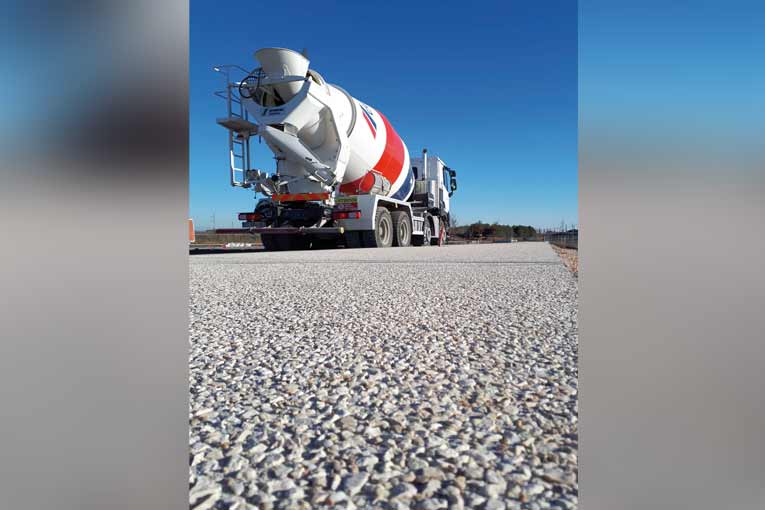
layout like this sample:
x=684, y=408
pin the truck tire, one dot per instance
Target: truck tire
x=382, y=235
x=301, y=243
x=269, y=244
x=353, y=239
x=287, y=242
x=423, y=240
x=402, y=228
x=324, y=244
x=441, y=239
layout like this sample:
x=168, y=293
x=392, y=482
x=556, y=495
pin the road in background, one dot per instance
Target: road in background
x=421, y=377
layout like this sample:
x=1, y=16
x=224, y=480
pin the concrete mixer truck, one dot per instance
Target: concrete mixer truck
x=343, y=175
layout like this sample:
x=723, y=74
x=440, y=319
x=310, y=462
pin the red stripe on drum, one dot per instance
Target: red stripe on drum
x=390, y=164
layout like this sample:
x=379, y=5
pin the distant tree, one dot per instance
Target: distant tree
x=476, y=229
x=496, y=229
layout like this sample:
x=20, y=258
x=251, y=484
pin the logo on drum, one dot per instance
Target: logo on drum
x=370, y=121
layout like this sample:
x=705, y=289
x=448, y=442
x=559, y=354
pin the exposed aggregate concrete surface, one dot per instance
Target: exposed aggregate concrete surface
x=397, y=378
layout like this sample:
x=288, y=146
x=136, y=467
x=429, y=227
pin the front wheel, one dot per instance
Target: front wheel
x=441, y=239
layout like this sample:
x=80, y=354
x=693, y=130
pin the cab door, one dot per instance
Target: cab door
x=444, y=185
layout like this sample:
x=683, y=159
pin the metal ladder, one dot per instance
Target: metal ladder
x=240, y=129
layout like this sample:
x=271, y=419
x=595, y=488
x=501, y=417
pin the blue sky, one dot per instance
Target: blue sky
x=490, y=88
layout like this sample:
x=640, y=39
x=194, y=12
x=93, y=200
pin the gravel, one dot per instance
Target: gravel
x=384, y=378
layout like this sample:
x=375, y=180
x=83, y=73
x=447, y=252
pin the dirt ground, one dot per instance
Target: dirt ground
x=570, y=258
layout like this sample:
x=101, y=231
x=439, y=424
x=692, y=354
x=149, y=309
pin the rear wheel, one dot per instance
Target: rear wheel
x=324, y=244
x=382, y=235
x=402, y=228
x=286, y=242
x=269, y=244
x=353, y=239
x=301, y=243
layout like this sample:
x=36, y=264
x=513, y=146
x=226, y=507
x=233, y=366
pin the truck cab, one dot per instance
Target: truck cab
x=434, y=184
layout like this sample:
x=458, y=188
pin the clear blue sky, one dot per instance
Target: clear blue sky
x=490, y=88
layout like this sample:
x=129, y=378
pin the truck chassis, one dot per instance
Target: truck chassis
x=381, y=222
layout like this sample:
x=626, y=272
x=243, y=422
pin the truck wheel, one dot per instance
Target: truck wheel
x=402, y=228
x=382, y=235
x=301, y=243
x=324, y=244
x=269, y=244
x=424, y=239
x=441, y=239
x=353, y=240
x=286, y=242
